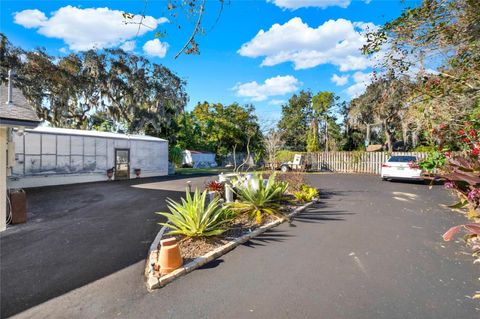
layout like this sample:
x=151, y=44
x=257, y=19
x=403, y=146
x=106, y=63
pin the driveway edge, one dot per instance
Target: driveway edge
x=153, y=282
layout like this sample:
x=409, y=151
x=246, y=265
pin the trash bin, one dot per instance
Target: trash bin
x=18, y=201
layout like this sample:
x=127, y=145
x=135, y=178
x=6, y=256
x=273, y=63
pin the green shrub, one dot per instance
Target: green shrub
x=282, y=186
x=257, y=199
x=175, y=155
x=284, y=156
x=424, y=149
x=193, y=218
x=306, y=194
x=434, y=160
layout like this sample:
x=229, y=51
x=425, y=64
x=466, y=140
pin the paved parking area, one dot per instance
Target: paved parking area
x=77, y=234
x=370, y=249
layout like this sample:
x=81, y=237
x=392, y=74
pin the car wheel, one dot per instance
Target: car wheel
x=384, y=179
x=284, y=168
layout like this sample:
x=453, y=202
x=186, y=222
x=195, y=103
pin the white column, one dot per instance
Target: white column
x=3, y=178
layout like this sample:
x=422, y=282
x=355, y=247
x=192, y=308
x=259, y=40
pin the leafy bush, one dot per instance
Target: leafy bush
x=434, y=160
x=461, y=173
x=175, y=155
x=284, y=156
x=424, y=149
x=193, y=218
x=258, y=198
x=306, y=194
x=473, y=230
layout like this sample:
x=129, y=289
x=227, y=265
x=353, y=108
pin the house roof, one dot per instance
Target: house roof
x=19, y=112
x=66, y=131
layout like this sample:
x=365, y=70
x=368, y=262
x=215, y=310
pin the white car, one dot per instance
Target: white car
x=401, y=167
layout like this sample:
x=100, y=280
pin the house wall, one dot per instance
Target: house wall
x=198, y=158
x=3, y=177
x=203, y=157
x=52, y=159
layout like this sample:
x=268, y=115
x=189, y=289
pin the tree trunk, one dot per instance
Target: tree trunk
x=234, y=158
x=388, y=136
x=415, y=137
x=405, y=135
x=326, y=135
x=367, y=137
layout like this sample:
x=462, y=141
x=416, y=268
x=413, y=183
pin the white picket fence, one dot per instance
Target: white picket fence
x=352, y=162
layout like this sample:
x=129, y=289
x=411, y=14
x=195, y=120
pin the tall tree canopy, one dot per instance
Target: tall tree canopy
x=110, y=90
x=308, y=121
x=224, y=128
x=381, y=105
x=439, y=34
x=295, y=119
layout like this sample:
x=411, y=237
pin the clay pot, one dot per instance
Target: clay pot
x=109, y=174
x=170, y=258
x=137, y=171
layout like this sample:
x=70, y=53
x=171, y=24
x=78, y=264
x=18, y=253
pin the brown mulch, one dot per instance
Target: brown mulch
x=191, y=247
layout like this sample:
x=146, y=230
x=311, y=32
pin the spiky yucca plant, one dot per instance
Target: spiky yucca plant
x=258, y=198
x=193, y=218
x=282, y=186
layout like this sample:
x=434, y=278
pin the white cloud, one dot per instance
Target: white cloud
x=162, y=20
x=155, y=48
x=276, y=102
x=30, y=18
x=128, y=46
x=84, y=29
x=336, y=42
x=296, y=4
x=275, y=86
x=362, y=80
x=340, y=79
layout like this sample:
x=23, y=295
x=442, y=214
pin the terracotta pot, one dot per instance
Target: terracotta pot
x=170, y=258
x=109, y=174
x=137, y=171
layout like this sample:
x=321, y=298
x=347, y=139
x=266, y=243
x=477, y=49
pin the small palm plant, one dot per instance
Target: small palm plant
x=193, y=218
x=258, y=198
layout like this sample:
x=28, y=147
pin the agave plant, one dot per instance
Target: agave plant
x=282, y=186
x=193, y=218
x=258, y=198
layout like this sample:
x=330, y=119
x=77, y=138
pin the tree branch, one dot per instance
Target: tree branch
x=195, y=31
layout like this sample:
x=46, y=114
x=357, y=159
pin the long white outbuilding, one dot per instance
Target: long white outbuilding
x=54, y=156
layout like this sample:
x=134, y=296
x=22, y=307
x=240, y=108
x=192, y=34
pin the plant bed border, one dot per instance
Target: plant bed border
x=153, y=282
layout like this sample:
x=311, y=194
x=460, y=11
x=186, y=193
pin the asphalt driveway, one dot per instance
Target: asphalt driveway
x=370, y=249
x=77, y=234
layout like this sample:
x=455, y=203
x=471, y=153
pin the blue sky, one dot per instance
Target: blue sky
x=305, y=44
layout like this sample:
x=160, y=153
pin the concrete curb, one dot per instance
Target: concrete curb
x=152, y=281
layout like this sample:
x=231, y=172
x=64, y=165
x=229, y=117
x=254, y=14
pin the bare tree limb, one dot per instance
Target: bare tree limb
x=195, y=30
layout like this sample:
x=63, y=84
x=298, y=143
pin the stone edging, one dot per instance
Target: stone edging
x=152, y=282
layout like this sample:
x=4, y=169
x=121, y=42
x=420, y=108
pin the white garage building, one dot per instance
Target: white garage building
x=53, y=156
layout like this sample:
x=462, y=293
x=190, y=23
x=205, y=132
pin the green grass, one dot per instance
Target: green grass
x=191, y=171
x=218, y=170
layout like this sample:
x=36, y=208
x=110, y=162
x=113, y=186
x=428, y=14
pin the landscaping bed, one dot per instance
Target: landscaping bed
x=204, y=226
x=197, y=252
x=192, y=247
